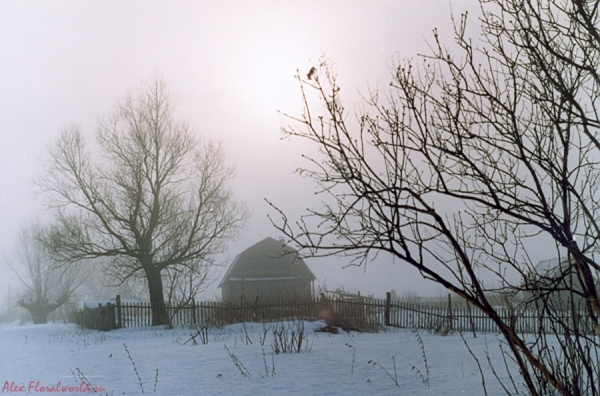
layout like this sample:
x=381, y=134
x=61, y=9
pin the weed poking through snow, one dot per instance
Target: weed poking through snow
x=424, y=378
x=201, y=334
x=268, y=372
x=394, y=377
x=243, y=370
x=137, y=373
x=353, y=356
x=86, y=382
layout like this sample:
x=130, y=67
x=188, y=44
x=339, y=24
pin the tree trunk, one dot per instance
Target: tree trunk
x=157, y=298
x=39, y=309
x=39, y=315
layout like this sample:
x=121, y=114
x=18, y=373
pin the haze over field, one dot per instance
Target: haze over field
x=230, y=66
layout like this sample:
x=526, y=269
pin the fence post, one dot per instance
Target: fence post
x=194, y=321
x=386, y=314
x=471, y=319
x=450, y=324
x=119, y=323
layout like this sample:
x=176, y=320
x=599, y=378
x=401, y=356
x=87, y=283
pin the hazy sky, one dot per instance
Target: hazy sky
x=230, y=66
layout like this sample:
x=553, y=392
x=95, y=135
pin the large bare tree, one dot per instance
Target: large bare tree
x=150, y=196
x=47, y=287
x=474, y=152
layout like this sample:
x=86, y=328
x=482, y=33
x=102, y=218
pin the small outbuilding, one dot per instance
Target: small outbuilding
x=267, y=270
x=554, y=283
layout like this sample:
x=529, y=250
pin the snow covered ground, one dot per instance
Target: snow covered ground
x=233, y=362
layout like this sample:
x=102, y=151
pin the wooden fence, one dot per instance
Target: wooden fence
x=360, y=314
x=138, y=314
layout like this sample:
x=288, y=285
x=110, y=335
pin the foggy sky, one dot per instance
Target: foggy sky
x=230, y=66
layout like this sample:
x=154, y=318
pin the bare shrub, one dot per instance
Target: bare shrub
x=290, y=337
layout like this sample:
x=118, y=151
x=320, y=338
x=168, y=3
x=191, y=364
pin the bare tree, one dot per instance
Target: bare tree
x=470, y=156
x=48, y=287
x=151, y=198
x=183, y=285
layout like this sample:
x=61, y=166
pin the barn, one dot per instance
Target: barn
x=267, y=270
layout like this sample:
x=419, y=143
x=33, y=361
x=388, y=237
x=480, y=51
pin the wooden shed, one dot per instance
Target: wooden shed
x=555, y=283
x=267, y=270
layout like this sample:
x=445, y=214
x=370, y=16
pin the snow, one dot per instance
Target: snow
x=334, y=364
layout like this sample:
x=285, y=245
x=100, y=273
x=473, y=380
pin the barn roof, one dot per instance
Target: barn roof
x=552, y=267
x=269, y=259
